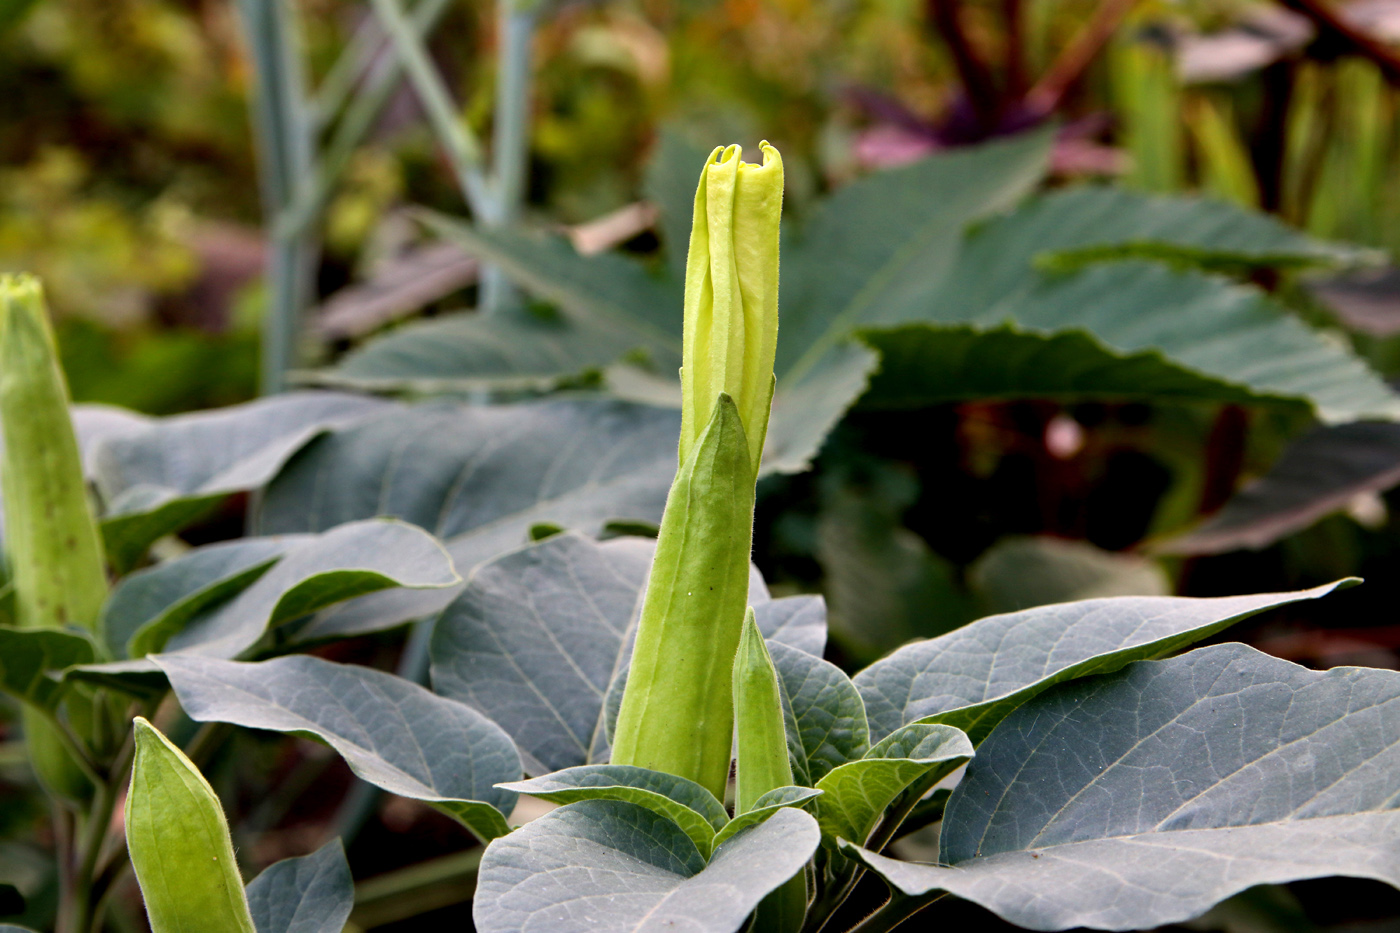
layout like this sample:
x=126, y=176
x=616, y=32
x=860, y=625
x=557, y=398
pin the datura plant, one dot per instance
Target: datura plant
x=1069, y=765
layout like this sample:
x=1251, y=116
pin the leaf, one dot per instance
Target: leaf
x=770, y=803
x=857, y=793
x=478, y=477
x=179, y=843
x=149, y=606
x=316, y=571
x=1144, y=797
x=311, y=894
x=1319, y=473
x=157, y=480
x=974, y=677
x=538, y=638
x=605, y=864
x=796, y=621
x=1018, y=573
x=1097, y=222
x=28, y=655
x=392, y=732
x=828, y=725
x=685, y=803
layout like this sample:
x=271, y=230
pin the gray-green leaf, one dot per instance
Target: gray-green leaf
x=1144, y=797
x=310, y=894
x=974, y=677
x=765, y=806
x=392, y=732
x=28, y=655
x=606, y=864
x=828, y=726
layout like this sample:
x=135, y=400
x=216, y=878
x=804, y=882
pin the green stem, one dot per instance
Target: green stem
x=460, y=145
x=510, y=143
x=893, y=912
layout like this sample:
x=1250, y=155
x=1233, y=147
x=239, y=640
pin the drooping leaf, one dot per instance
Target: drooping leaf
x=1018, y=573
x=478, y=477
x=538, y=638
x=828, y=727
x=149, y=606
x=310, y=894
x=685, y=803
x=974, y=677
x=1319, y=473
x=770, y=803
x=179, y=843
x=1144, y=797
x=28, y=655
x=156, y=480
x=606, y=864
x=392, y=732
x=857, y=793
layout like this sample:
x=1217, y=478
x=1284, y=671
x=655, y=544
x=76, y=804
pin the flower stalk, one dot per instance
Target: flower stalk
x=677, y=711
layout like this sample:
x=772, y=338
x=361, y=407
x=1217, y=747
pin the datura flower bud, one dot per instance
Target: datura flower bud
x=731, y=295
x=677, y=710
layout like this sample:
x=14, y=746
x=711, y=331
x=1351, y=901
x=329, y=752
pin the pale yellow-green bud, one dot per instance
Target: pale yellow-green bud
x=731, y=295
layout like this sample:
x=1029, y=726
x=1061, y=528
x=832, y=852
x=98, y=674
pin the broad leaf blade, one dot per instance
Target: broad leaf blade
x=311, y=894
x=828, y=716
x=796, y=621
x=392, y=732
x=149, y=606
x=156, y=480
x=764, y=807
x=478, y=477
x=1145, y=797
x=685, y=803
x=1018, y=573
x=605, y=864
x=974, y=677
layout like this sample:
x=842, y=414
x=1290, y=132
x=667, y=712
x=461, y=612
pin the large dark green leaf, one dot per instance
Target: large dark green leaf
x=311, y=894
x=610, y=865
x=1143, y=798
x=537, y=638
x=826, y=716
x=974, y=677
x=157, y=479
x=1319, y=473
x=478, y=477
x=153, y=604
x=392, y=732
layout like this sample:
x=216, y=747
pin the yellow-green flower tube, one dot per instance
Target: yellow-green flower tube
x=677, y=711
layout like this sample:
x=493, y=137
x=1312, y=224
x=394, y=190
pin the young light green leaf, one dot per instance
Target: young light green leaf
x=606, y=864
x=857, y=793
x=974, y=677
x=51, y=541
x=392, y=732
x=685, y=803
x=764, y=807
x=1144, y=797
x=179, y=843
x=311, y=894
x=760, y=741
x=677, y=710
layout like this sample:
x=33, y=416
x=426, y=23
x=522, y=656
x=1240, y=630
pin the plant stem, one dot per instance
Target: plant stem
x=893, y=912
x=510, y=142
x=1076, y=57
x=976, y=77
x=460, y=146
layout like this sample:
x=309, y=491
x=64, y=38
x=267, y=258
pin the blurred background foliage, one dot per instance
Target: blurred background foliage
x=129, y=180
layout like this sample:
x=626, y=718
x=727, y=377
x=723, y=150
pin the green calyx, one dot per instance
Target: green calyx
x=179, y=843
x=51, y=535
x=760, y=740
x=731, y=295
